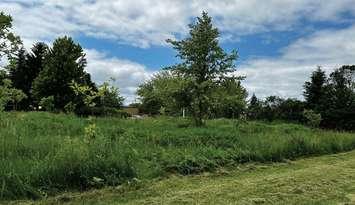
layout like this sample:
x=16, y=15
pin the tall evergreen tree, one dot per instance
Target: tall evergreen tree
x=18, y=74
x=254, y=107
x=315, y=90
x=254, y=101
x=204, y=64
x=64, y=64
x=36, y=59
x=35, y=64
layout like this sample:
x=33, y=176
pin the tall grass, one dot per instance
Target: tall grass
x=44, y=153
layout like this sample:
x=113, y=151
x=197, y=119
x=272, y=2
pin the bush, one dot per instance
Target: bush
x=70, y=107
x=312, y=119
x=47, y=103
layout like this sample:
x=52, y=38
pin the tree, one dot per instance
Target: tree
x=340, y=110
x=35, y=64
x=109, y=96
x=9, y=42
x=10, y=95
x=18, y=74
x=65, y=62
x=150, y=100
x=24, y=68
x=106, y=100
x=333, y=97
x=315, y=90
x=166, y=90
x=271, y=109
x=204, y=64
x=254, y=108
x=228, y=99
x=342, y=83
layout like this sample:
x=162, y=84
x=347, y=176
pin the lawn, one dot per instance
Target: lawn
x=45, y=154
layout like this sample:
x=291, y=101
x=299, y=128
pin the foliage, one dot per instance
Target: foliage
x=70, y=107
x=109, y=96
x=228, y=99
x=169, y=93
x=10, y=95
x=164, y=91
x=3, y=76
x=204, y=64
x=315, y=90
x=18, y=73
x=312, y=119
x=43, y=153
x=24, y=68
x=47, y=103
x=9, y=42
x=336, y=101
x=254, y=108
x=64, y=63
x=276, y=108
x=103, y=101
x=83, y=93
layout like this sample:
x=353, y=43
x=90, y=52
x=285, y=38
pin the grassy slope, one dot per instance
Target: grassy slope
x=46, y=154
x=320, y=180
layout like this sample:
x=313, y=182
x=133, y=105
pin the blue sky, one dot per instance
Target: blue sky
x=280, y=42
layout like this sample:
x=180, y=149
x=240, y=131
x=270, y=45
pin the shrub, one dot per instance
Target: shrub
x=47, y=103
x=312, y=119
x=70, y=107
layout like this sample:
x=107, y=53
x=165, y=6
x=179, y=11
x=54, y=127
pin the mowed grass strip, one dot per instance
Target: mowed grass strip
x=319, y=180
x=44, y=154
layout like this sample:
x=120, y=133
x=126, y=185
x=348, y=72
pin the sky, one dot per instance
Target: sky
x=280, y=42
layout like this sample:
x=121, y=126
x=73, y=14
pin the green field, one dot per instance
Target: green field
x=46, y=154
x=319, y=180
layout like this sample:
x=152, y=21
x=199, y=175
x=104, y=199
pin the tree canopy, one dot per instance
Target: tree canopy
x=9, y=42
x=204, y=64
x=65, y=63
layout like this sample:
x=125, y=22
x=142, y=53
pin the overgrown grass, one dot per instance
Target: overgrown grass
x=43, y=154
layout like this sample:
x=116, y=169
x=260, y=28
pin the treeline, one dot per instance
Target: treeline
x=51, y=78
x=329, y=102
x=54, y=79
x=202, y=86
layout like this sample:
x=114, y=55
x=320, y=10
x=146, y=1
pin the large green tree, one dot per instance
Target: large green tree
x=340, y=110
x=315, y=90
x=333, y=97
x=65, y=63
x=204, y=63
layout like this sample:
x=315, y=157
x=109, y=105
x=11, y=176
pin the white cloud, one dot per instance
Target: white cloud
x=285, y=75
x=128, y=75
x=144, y=23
